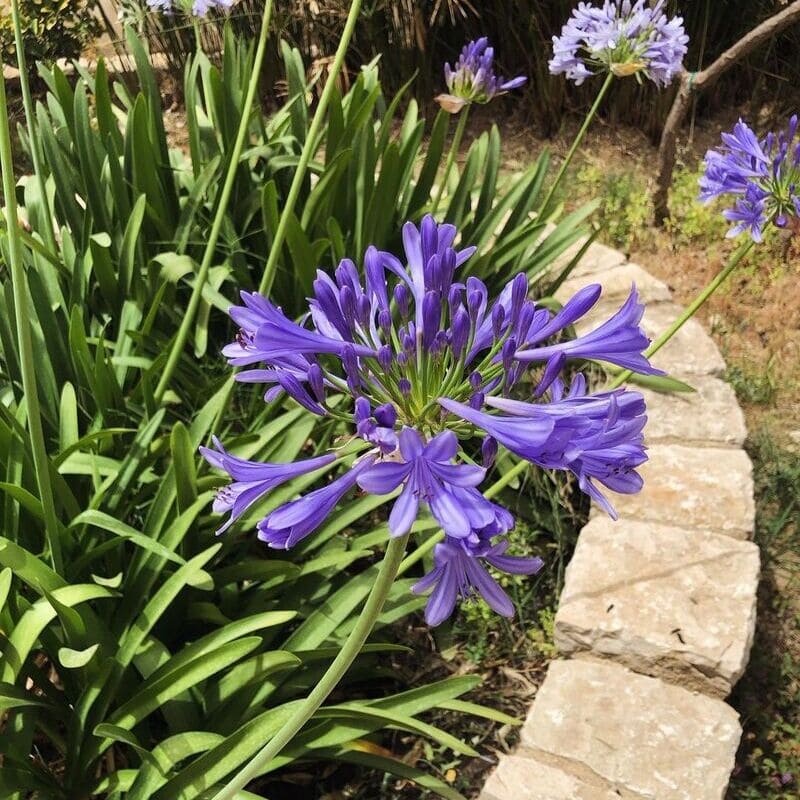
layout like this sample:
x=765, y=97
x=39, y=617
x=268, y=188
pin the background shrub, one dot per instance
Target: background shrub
x=51, y=29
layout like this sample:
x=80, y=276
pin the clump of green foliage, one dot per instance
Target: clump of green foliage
x=51, y=29
x=691, y=222
x=625, y=208
x=755, y=387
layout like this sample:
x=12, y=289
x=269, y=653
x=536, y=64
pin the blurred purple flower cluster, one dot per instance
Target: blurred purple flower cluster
x=762, y=174
x=199, y=8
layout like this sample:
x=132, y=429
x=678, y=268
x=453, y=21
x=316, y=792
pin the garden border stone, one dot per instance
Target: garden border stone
x=657, y=615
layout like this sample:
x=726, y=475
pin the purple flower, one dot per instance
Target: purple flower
x=377, y=428
x=458, y=572
x=762, y=175
x=200, y=8
x=472, y=79
x=619, y=340
x=388, y=353
x=622, y=37
x=426, y=474
x=252, y=480
x=287, y=525
x=596, y=437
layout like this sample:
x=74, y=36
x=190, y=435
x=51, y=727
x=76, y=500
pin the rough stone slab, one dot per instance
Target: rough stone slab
x=596, y=261
x=645, y=738
x=709, y=415
x=701, y=488
x=522, y=777
x=690, y=351
x=662, y=601
x=616, y=283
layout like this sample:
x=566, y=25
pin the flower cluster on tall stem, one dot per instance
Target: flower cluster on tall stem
x=763, y=175
x=473, y=80
x=429, y=361
x=623, y=38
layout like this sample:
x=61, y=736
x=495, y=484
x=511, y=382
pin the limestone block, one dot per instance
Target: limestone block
x=708, y=415
x=519, y=777
x=702, y=488
x=663, y=601
x=645, y=738
x=616, y=283
x=596, y=261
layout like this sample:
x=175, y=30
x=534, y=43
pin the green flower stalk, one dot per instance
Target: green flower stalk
x=389, y=569
x=690, y=310
x=581, y=135
x=297, y=181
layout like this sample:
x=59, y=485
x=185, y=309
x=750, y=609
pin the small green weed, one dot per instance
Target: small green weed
x=625, y=210
x=542, y=637
x=751, y=387
x=691, y=222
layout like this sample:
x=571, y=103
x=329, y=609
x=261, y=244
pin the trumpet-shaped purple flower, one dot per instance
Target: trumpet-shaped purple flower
x=622, y=37
x=410, y=341
x=252, y=480
x=458, y=572
x=596, y=437
x=287, y=525
x=200, y=8
x=427, y=474
x=619, y=340
x=163, y=6
x=473, y=79
x=763, y=176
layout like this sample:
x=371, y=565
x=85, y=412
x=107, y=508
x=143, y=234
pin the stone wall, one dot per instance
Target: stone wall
x=657, y=615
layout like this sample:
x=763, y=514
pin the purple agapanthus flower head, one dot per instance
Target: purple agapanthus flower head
x=473, y=79
x=459, y=571
x=763, y=175
x=197, y=8
x=416, y=359
x=622, y=37
x=163, y=6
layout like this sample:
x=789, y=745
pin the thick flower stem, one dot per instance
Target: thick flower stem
x=30, y=121
x=27, y=358
x=545, y=207
x=219, y=216
x=350, y=650
x=198, y=38
x=311, y=143
x=455, y=146
x=690, y=310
